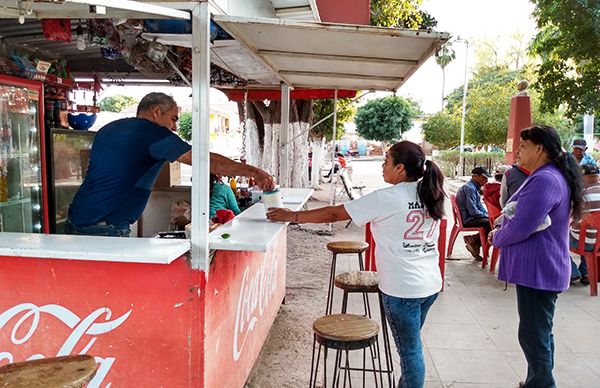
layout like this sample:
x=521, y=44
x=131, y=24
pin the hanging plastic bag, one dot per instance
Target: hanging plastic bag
x=57, y=29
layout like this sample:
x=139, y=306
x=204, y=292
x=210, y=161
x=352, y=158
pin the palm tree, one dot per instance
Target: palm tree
x=443, y=57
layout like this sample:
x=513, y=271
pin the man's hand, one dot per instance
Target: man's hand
x=264, y=180
x=280, y=214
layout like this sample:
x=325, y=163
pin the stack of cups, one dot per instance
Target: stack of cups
x=272, y=199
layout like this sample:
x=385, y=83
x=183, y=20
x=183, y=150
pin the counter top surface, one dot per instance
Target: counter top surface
x=250, y=230
x=127, y=250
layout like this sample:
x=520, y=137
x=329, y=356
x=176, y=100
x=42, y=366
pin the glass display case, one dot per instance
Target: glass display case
x=69, y=158
x=23, y=196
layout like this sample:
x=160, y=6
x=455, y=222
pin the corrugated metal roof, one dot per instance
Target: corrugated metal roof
x=333, y=56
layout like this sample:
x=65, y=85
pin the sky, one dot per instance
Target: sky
x=473, y=20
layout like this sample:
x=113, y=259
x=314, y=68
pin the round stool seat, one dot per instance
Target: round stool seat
x=347, y=246
x=64, y=372
x=358, y=281
x=345, y=328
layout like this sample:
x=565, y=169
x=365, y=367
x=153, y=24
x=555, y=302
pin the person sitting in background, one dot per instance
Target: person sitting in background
x=578, y=149
x=591, y=180
x=221, y=197
x=341, y=163
x=491, y=190
x=513, y=179
x=472, y=211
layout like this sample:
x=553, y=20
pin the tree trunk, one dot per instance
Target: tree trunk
x=318, y=157
x=263, y=144
x=443, y=86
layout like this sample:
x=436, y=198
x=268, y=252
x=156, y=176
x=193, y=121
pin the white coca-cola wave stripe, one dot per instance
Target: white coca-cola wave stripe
x=79, y=326
x=255, y=294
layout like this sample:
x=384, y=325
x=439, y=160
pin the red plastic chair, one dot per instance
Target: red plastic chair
x=493, y=213
x=458, y=227
x=591, y=221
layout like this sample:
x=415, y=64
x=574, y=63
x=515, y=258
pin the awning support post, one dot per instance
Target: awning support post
x=284, y=135
x=200, y=135
x=333, y=174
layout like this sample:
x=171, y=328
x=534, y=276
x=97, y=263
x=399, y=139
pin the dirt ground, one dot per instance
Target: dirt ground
x=286, y=356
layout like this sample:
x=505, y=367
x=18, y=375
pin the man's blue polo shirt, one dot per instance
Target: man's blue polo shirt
x=127, y=156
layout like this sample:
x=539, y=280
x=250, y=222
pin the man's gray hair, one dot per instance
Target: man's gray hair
x=163, y=101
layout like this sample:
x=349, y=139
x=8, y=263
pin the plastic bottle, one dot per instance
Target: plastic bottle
x=233, y=184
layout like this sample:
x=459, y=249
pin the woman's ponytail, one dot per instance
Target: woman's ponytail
x=568, y=165
x=431, y=190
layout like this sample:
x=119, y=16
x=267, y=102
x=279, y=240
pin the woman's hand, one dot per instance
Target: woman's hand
x=280, y=214
x=491, y=235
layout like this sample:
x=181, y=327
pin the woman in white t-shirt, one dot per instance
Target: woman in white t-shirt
x=404, y=222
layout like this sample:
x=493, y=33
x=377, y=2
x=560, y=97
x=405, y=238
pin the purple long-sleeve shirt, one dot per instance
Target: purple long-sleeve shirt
x=533, y=259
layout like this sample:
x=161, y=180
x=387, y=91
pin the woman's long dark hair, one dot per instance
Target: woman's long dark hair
x=431, y=187
x=548, y=138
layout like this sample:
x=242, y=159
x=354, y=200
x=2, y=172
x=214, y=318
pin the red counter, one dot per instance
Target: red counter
x=148, y=325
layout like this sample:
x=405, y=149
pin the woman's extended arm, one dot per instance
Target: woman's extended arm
x=315, y=216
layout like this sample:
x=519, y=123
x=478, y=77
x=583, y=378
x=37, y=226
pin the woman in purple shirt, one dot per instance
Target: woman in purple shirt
x=538, y=261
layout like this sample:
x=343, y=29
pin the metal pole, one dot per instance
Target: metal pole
x=284, y=135
x=200, y=135
x=333, y=174
x=464, y=105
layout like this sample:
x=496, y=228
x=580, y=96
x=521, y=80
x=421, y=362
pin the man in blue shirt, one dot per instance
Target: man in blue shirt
x=578, y=148
x=127, y=156
x=472, y=211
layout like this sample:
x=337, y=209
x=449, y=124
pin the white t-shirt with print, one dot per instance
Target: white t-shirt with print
x=406, y=251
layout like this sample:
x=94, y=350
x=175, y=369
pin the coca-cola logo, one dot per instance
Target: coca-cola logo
x=255, y=294
x=81, y=330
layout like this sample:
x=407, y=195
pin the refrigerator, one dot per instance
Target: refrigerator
x=69, y=155
x=23, y=188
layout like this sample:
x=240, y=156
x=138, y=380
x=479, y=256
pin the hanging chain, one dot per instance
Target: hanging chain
x=244, y=119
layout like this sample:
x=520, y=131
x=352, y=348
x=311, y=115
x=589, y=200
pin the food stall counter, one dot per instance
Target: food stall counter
x=93, y=248
x=250, y=230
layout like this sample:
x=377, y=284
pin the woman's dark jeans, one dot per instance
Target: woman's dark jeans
x=97, y=230
x=536, y=314
x=406, y=317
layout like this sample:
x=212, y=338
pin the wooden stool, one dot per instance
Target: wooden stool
x=58, y=372
x=343, y=332
x=343, y=247
x=368, y=282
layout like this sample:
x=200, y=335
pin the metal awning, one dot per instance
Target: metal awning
x=296, y=9
x=305, y=54
x=109, y=9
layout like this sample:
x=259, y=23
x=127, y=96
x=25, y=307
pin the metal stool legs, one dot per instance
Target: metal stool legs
x=329, y=303
x=337, y=371
x=387, y=348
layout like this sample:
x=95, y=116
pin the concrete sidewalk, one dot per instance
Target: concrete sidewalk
x=470, y=336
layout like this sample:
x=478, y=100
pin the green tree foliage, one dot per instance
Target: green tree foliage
x=385, y=119
x=184, y=126
x=488, y=107
x=324, y=107
x=442, y=130
x=116, y=103
x=568, y=44
x=401, y=14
